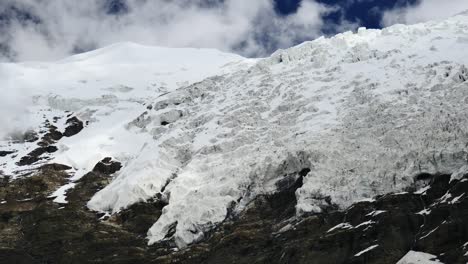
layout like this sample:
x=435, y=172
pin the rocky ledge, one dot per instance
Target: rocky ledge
x=34, y=229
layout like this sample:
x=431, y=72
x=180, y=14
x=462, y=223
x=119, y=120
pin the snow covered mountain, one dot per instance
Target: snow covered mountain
x=107, y=88
x=356, y=115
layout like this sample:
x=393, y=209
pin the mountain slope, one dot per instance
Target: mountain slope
x=351, y=109
x=206, y=133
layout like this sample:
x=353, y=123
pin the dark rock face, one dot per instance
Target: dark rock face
x=35, y=155
x=52, y=136
x=56, y=167
x=33, y=229
x=107, y=166
x=139, y=217
x=74, y=127
x=6, y=153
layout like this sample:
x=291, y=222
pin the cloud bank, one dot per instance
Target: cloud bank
x=53, y=29
x=424, y=11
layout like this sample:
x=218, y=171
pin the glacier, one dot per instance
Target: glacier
x=207, y=132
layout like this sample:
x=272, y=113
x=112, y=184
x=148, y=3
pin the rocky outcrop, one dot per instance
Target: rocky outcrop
x=6, y=153
x=74, y=126
x=35, y=155
x=46, y=144
x=107, y=166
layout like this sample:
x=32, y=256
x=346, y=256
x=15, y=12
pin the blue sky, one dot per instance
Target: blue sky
x=53, y=29
x=368, y=13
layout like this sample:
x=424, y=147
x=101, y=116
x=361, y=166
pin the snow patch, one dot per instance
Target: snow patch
x=457, y=199
x=376, y=213
x=425, y=211
x=370, y=222
x=423, y=190
x=415, y=257
x=366, y=250
x=60, y=194
x=341, y=226
x=429, y=233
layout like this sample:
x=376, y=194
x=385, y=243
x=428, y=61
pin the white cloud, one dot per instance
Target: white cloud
x=13, y=103
x=424, y=11
x=244, y=26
